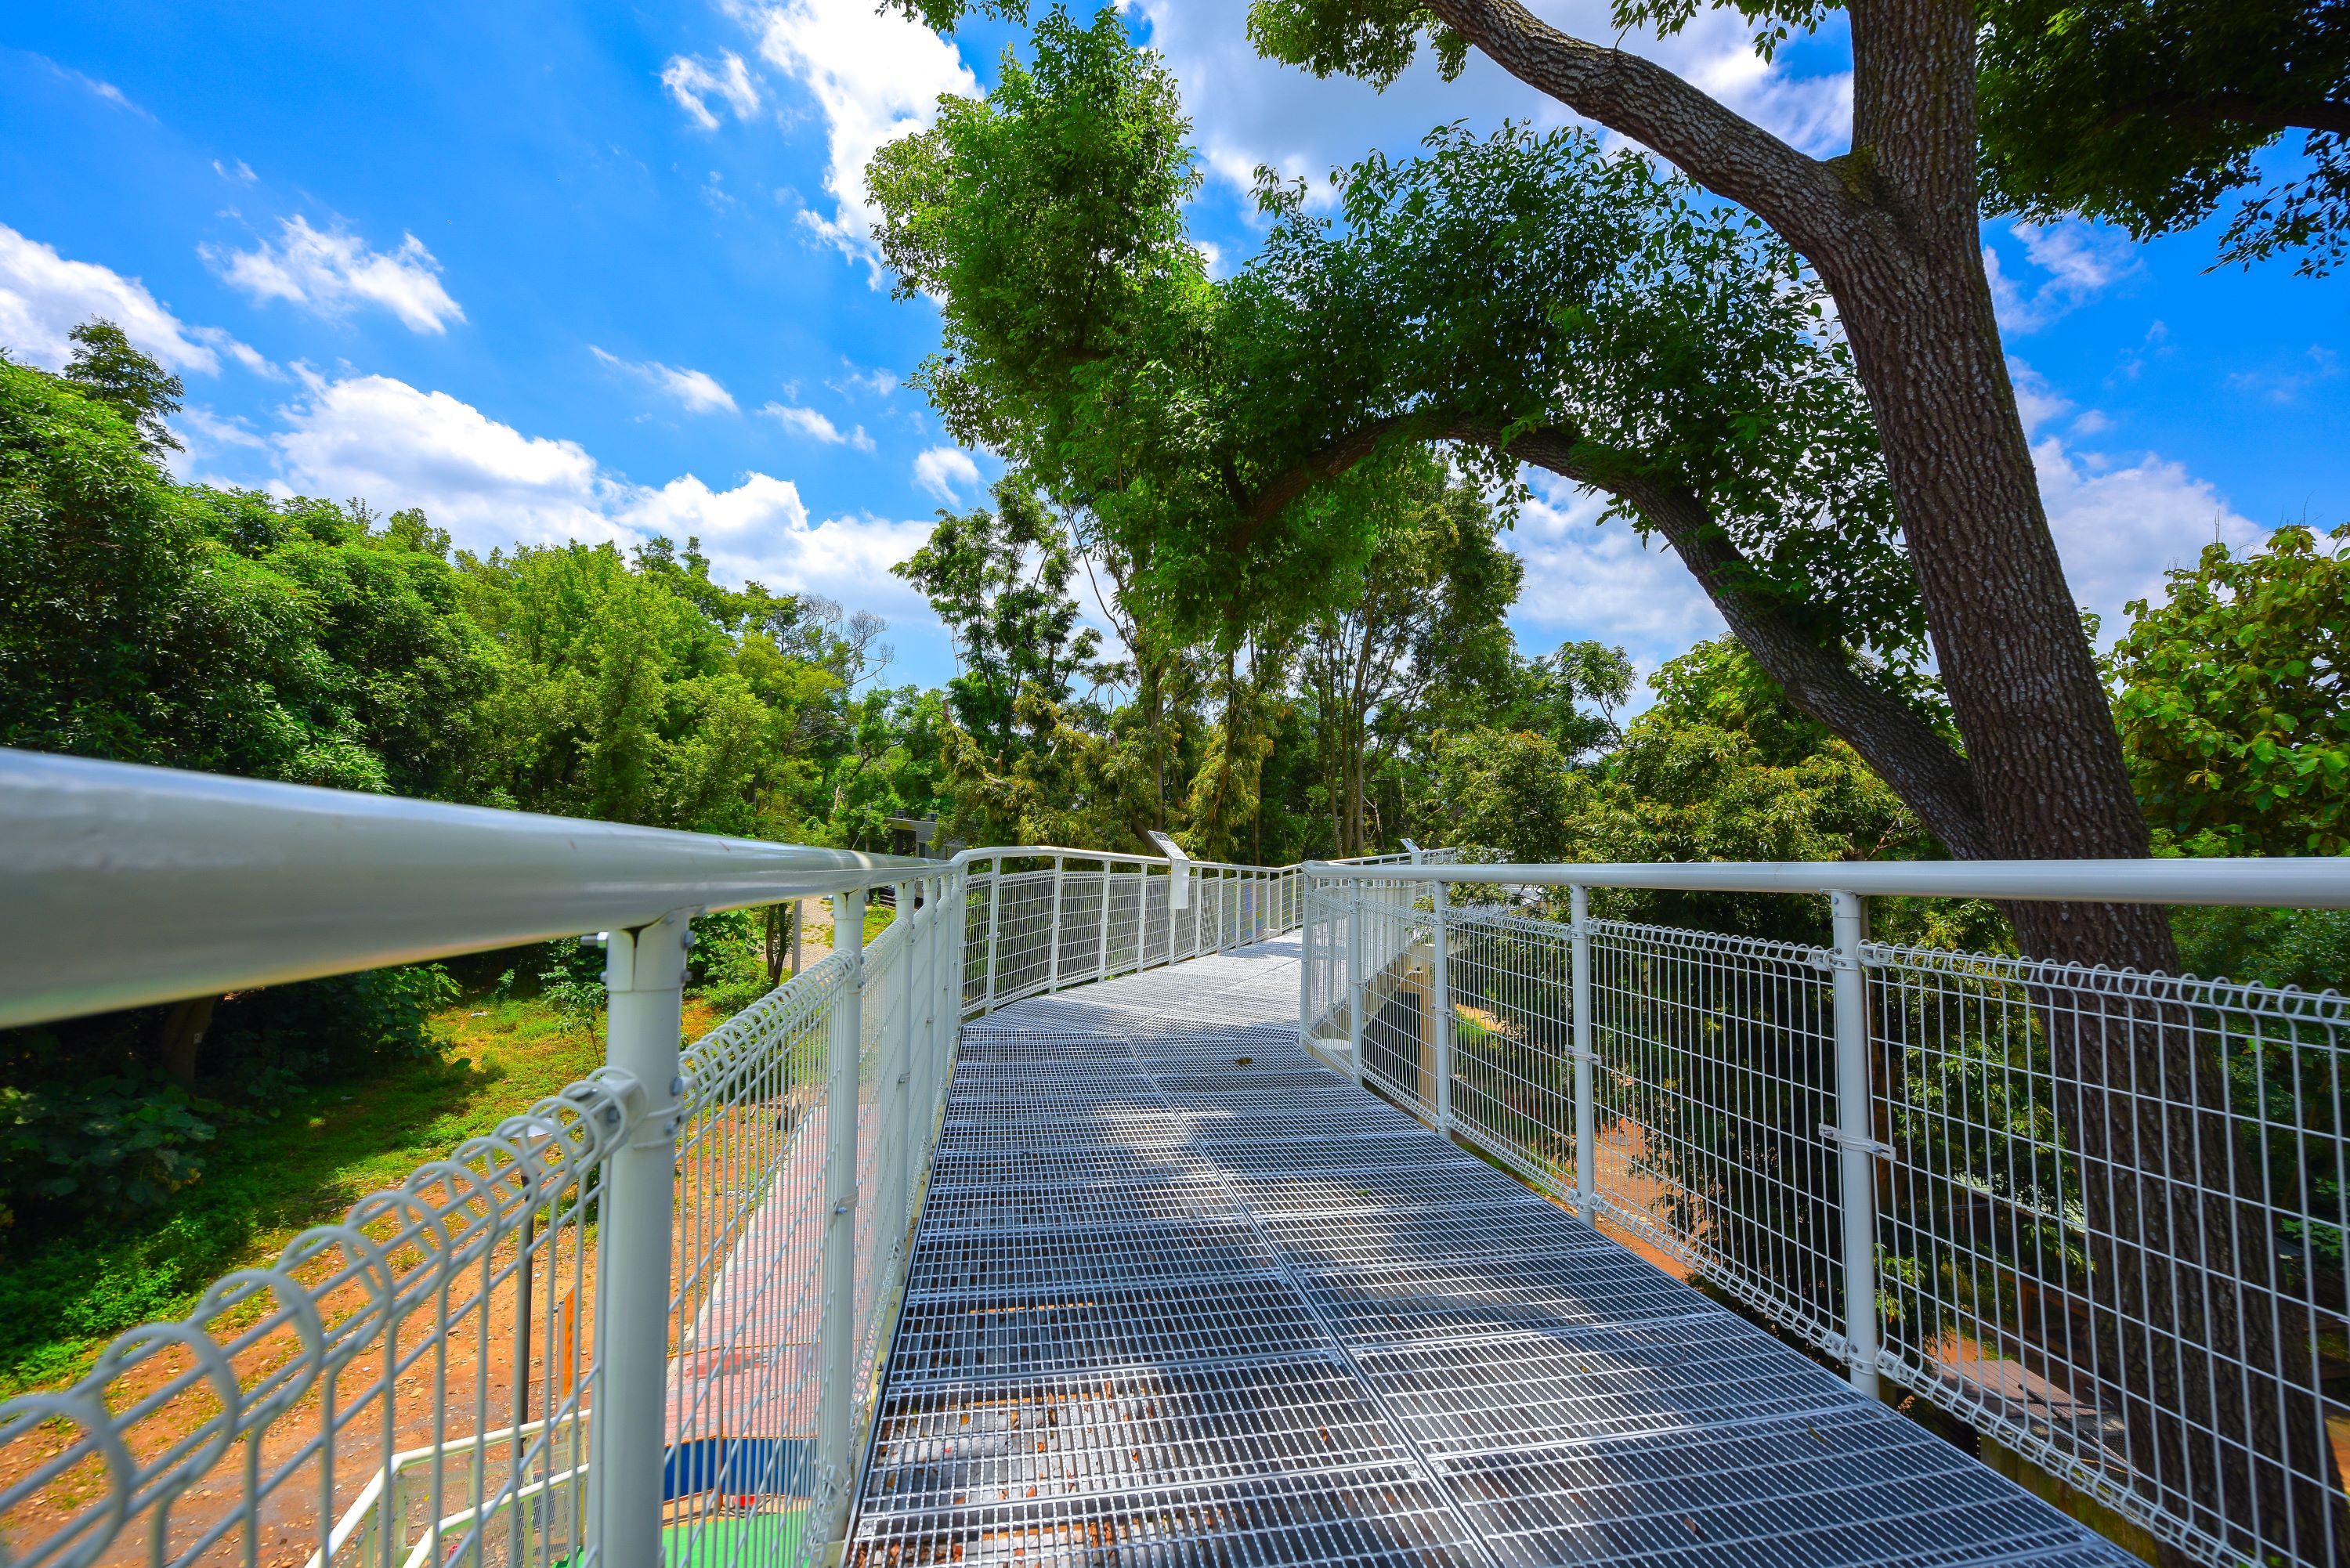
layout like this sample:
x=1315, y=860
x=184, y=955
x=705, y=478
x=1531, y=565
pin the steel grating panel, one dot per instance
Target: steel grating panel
x=966, y=1444
x=1387, y=1517
x=1181, y=1294
x=1445, y=1187
x=1776, y=1492
x=1083, y=1328
x=972, y=1262
x=1513, y=1391
x=1091, y=1206
x=1435, y=1301
x=1364, y=1238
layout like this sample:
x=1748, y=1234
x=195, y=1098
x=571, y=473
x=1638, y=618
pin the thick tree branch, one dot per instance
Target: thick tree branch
x=1923, y=768
x=1722, y=150
x=1330, y=461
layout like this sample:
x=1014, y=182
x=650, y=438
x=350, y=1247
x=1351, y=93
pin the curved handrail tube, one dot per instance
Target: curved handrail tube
x=130, y=884
x=2301, y=882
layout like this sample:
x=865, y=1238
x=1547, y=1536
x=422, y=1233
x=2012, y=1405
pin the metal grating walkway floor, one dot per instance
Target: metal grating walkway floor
x=1182, y=1295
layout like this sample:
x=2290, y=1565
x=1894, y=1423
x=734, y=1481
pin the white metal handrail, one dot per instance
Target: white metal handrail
x=641, y=1319
x=2099, y=1216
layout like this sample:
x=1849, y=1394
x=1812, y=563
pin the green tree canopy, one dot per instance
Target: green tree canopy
x=141, y=620
x=1000, y=580
x=1525, y=298
x=2149, y=113
x=106, y=365
x=2232, y=699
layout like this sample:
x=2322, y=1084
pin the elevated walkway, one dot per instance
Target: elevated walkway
x=1180, y=1294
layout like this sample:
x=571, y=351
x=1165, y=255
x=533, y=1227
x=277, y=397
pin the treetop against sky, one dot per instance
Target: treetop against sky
x=547, y=276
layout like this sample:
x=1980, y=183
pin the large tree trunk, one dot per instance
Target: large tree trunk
x=1891, y=230
x=2179, y=1274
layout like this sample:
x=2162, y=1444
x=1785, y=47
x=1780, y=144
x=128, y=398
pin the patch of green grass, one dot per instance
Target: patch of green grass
x=300, y=1163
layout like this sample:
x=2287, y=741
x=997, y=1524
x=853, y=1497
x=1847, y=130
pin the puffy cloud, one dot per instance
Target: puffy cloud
x=490, y=485
x=1584, y=579
x=330, y=271
x=874, y=76
x=694, y=82
x=43, y=296
x=2121, y=526
x=483, y=481
x=945, y=472
x=697, y=390
x=2075, y=263
x=816, y=427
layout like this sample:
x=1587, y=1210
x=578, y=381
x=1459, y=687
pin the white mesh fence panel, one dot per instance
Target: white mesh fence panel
x=2109, y=1209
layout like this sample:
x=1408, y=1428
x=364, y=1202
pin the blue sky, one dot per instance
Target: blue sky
x=559, y=272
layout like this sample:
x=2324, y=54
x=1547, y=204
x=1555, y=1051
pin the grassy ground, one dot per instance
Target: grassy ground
x=307, y=1159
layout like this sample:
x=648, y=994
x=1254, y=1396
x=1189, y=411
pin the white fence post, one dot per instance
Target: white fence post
x=1586, y=1138
x=1439, y=998
x=1355, y=989
x=994, y=924
x=1053, y=933
x=912, y=1007
x=644, y=983
x=837, y=1330
x=1102, y=970
x=1307, y=1024
x=1142, y=916
x=1856, y=1138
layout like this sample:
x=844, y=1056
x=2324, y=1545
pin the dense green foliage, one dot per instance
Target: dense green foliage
x=146, y=620
x=2232, y=699
x=2149, y=115
x=1234, y=440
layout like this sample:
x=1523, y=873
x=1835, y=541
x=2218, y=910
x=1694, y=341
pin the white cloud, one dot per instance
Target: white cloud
x=2076, y=262
x=1586, y=579
x=241, y=174
x=874, y=77
x=104, y=90
x=2285, y=383
x=694, y=82
x=43, y=297
x=330, y=271
x=490, y=485
x=945, y=472
x=697, y=390
x=816, y=427
x=2119, y=527
x=872, y=383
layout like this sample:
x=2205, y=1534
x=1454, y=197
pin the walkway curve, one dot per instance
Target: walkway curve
x=1182, y=1295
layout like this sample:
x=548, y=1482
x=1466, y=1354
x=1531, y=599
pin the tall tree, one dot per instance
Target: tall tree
x=1000, y=579
x=1424, y=614
x=106, y=365
x=1891, y=227
x=1527, y=299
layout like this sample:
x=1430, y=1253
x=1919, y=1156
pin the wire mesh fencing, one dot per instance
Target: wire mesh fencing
x=2100, y=1217
x=1073, y=918
x=413, y=1383
x=416, y=1385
